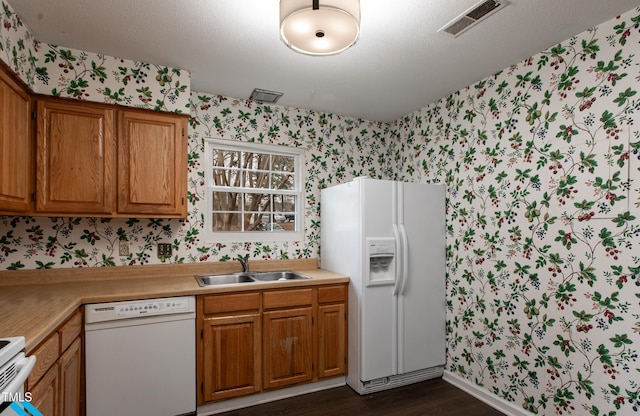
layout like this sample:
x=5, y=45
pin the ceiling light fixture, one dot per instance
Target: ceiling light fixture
x=312, y=28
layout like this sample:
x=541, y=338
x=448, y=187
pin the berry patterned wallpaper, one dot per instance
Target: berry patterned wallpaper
x=542, y=167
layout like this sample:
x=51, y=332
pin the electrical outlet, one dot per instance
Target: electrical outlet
x=123, y=248
x=164, y=250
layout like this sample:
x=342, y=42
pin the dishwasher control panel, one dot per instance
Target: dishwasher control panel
x=151, y=307
x=102, y=312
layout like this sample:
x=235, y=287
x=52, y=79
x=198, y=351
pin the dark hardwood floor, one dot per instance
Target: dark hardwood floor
x=432, y=397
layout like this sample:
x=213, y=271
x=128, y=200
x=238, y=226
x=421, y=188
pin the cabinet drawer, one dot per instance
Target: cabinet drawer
x=286, y=298
x=332, y=294
x=70, y=330
x=46, y=354
x=232, y=303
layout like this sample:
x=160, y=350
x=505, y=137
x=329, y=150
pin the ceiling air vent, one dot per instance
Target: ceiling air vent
x=472, y=16
x=264, y=96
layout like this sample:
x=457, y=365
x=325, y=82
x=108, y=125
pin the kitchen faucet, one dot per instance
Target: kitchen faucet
x=245, y=262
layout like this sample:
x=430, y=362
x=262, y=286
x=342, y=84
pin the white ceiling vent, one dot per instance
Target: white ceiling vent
x=472, y=16
x=264, y=96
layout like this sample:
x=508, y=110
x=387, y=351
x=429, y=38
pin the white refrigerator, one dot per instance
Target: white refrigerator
x=389, y=238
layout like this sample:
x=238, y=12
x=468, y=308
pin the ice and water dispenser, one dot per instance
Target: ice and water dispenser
x=381, y=253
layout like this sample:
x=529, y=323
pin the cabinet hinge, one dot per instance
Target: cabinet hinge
x=34, y=115
x=202, y=334
x=183, y=132
x=33, y=196
x=182, y=200
x=202, y=387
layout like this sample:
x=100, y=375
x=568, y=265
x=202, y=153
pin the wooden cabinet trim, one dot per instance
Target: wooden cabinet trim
x=237, y=302
x=273, y=299
x=46, y=355
x=332, y=294
x=70, y=330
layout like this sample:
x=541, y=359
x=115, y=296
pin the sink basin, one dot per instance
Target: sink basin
x=226, y=279
x=275, y=276
x=223, y=279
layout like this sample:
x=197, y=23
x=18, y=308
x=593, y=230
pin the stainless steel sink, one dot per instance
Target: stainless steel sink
x=275, y=276
x=234, y=278
x=223, y=279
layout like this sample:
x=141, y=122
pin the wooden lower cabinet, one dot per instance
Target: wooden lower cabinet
x=231, y=359
x=287, y=345
x=269, y=339
x=56, y=383
x=332, y=326
x=45, y=394
x=70, y=379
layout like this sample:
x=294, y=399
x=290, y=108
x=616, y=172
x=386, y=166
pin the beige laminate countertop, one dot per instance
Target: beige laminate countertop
x=34, y=303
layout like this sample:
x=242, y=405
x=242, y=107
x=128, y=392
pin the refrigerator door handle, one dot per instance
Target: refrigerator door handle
x=405, y=259
x=399, y=264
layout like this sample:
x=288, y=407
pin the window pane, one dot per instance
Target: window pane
x=252, y=221
x=283, y=203
x=257, y=202
x=224, y=177
x=282, y=163
x=281, y=181
x=258, y=180
x=226, y=201
x=226, y=221
x=256, y=161
x=227, y=158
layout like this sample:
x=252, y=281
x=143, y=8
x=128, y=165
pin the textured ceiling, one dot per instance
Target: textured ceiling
x=400, y=63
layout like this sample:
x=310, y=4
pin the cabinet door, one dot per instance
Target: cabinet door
x=15, y=146
x=331, y=340
x=75, y=158
x=231, y=356
x=70, y=379
x=152, y=164
x=287, y=347
x=44, y=395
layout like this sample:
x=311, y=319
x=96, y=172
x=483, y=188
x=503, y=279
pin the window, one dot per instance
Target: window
x=254, y=191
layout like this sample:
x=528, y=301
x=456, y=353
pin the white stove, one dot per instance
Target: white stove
x=14, y=370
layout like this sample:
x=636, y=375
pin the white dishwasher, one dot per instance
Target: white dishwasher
x=141, y=357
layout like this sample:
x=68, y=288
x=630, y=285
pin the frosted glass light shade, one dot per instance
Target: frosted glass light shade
x=332, y=28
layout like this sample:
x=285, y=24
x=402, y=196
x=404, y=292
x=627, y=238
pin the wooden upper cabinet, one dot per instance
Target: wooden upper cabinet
x=74, y=158
x=98, y=160
x=15, y=146
x=152, y=164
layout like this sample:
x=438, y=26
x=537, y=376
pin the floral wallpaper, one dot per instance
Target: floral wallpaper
x=64, y=72
x=542, y=166
x=337, y=149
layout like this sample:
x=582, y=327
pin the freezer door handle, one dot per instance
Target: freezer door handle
x=399, y=263
x=404, y=255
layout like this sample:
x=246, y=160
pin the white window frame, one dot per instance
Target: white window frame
x=253, y=236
